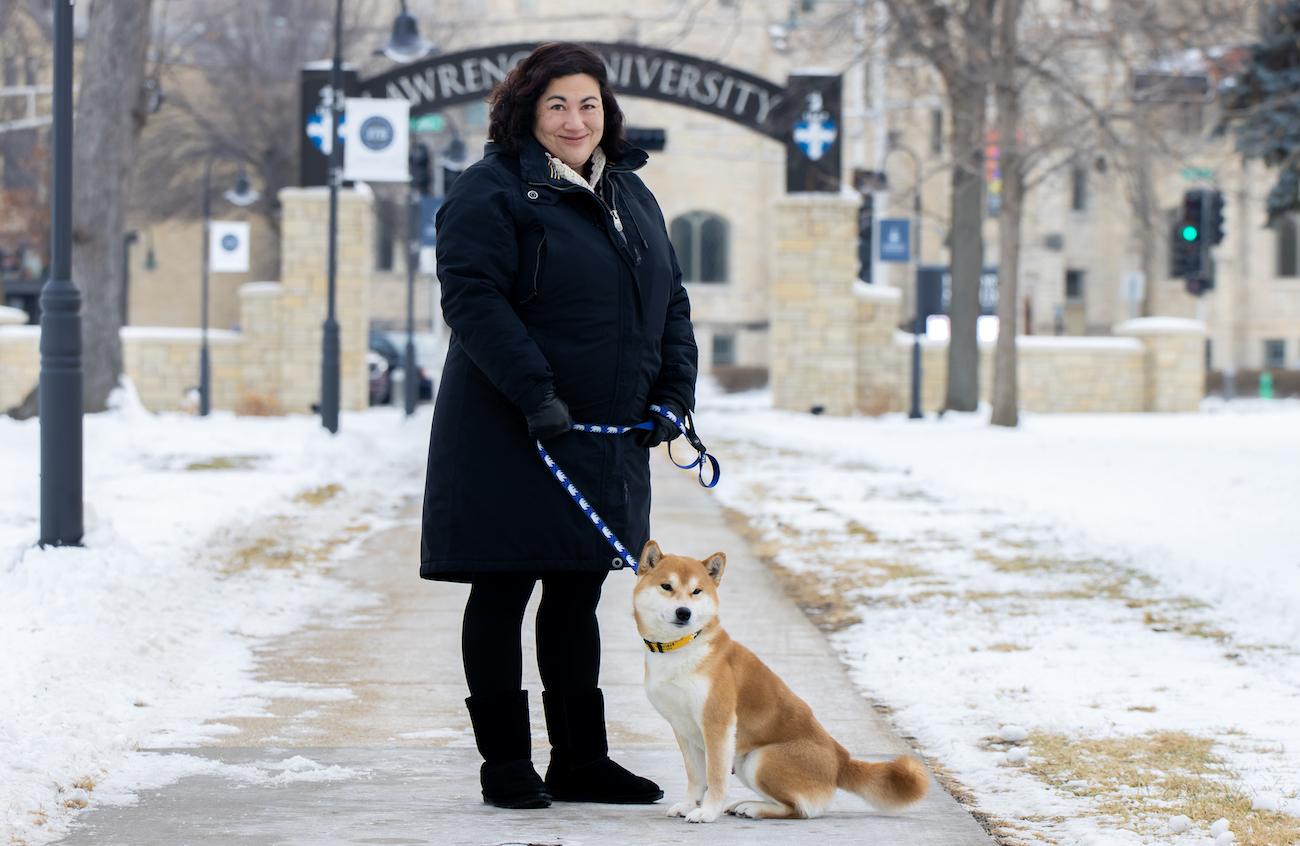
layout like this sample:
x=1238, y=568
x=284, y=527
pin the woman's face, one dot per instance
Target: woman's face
x=570, y=119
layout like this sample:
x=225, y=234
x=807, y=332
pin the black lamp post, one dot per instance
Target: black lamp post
x=60, y=381
x=915, y=412
x=241, y=195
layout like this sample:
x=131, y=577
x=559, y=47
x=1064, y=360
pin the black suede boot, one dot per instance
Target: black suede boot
x=580, y=769
x=501, y=732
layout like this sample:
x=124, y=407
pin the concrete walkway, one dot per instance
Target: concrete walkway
x=405, y=736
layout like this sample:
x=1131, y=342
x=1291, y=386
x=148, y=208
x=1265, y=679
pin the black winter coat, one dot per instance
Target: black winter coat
x=543, y=291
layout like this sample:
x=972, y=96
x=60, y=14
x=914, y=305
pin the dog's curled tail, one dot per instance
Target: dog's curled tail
x=893, y=784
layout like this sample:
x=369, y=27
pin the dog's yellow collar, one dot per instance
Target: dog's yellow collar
x=656, y=646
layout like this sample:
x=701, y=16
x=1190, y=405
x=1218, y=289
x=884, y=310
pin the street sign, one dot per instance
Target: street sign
x=428, y=123
x=895, y=240
x=228, y=246
x=377, y=140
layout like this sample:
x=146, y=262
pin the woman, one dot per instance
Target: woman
x=565, y=303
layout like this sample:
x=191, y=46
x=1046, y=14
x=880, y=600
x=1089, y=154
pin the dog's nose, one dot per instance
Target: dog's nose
x=683, y=614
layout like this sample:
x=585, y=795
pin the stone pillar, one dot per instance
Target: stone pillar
x=302, y=303
x=1174, y=364
x=814, y=310
x=261, y=315
x=878, y=357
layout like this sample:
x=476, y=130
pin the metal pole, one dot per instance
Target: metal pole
x=60, y=380
x=128, y=241
x=329, y=387
x=205, y=367
x=412, y=378
x=917, y=328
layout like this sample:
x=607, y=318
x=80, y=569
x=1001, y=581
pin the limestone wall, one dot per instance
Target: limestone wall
x=814, y=312
x=272, y=364
x=20, y=356
x=1174, y=366
x=303, y=296
x=163, y=364
x=878, y=358
x=1055, y=374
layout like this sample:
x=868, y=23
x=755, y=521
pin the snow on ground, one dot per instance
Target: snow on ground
x=1088, y=623
x=204, y=538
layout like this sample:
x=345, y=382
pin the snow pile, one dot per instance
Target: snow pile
x=203, y=538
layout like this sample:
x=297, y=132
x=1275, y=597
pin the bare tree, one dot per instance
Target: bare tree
x=231, y=70
x=1006, y=93
x=957, y=40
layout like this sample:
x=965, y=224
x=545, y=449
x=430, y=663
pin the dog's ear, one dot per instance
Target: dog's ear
x=650, y=556
x=715, y=564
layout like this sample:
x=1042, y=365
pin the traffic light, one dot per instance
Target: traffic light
x=1196, y=229
x=1186, y=243
x=651, y=140
x=421, y=175
x=1213, y=209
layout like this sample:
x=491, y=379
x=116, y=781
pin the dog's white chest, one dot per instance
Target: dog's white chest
x=677, y=692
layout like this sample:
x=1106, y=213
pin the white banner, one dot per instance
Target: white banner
x=376, y=140
x=228, y=246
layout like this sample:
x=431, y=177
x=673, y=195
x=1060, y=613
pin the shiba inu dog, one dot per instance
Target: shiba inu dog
x=731, y=713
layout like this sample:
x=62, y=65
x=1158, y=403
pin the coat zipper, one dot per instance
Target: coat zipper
x=612, y=212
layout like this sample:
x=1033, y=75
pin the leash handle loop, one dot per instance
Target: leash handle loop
x=687, y=426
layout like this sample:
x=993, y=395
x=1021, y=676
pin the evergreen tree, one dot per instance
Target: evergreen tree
x=1261, y=106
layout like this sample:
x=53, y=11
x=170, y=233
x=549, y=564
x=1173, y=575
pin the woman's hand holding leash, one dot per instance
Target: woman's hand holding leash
x=664, y=429
x=550, y=419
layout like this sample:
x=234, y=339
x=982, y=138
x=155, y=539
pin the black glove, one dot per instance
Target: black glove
x=665, y=430
x=551, y=418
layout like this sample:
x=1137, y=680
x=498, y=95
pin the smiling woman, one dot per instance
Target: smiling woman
x=563, y=293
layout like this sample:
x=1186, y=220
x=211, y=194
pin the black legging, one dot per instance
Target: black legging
x=568, y=635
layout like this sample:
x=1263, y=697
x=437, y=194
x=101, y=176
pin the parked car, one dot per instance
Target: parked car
x=392, y=347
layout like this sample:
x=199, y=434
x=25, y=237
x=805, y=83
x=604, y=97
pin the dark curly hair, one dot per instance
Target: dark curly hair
x=514, y=101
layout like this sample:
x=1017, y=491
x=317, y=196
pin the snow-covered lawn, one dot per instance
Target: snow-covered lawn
x=204, y=538
x=1089, y=624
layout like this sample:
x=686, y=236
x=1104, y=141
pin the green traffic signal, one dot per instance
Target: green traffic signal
x=1189, y=233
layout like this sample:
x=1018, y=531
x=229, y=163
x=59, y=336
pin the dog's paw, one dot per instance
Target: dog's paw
x=749, y=810
x=702, y=815
x=681, y=809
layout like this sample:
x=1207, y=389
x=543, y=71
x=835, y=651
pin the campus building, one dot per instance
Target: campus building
x=1089, y=261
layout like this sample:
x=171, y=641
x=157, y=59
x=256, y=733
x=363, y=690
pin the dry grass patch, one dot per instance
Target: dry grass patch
x=1006, y=647
x=265, y=553
x=1195, y=628
x=319, y=496
x=823, y=602
x=225, y=462
x=1143, y=780
x=85, y=783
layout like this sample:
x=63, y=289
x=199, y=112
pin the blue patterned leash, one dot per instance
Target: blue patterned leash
x=687, y=427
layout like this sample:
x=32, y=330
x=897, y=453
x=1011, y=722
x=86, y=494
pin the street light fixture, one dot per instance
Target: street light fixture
x=62, y=514
x=895, y=147
x=405, y=44
x=241, y=195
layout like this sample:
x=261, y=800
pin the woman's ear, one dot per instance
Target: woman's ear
x=650, y=556
x=715, y=564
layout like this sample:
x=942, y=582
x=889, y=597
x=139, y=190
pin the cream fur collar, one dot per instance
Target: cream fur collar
x=560, y=170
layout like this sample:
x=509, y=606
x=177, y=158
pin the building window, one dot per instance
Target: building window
x=1074, y=286
x=700, y=239
x=1287, y=233
x=936, y=131
x=724, y=350
x=1274, y=353
x=1079, y=188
